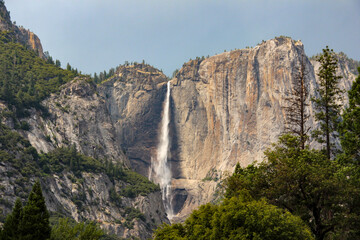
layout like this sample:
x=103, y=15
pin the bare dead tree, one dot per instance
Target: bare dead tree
x=296, y=104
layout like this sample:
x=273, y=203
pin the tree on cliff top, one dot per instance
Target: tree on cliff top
x=328, y=104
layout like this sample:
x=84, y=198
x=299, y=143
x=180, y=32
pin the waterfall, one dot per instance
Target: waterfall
x=160, y=171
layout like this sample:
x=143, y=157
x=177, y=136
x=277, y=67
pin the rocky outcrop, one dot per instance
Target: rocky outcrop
x=78, y=115
x=118, y=117
x=22, y=35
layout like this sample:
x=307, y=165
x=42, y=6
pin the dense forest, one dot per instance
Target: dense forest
x=25, y=78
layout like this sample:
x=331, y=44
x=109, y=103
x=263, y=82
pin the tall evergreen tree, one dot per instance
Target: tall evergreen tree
x=34, y=224
x=328, y=103
x=11, y=225
x=296, y=114
x=350, y=127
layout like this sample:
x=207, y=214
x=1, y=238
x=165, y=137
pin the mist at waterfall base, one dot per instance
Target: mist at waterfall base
x=160, y=171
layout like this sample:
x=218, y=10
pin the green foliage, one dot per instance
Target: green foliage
x=328, y=106
x=98, y=78
x=18, y=152
x=350, y=158
x=68, y=230
x=137, y=184
x=115, y=197
x=176, y=231
x=133, y=213
x=130, y=214
x=239, y=217
x=350, y=127
x=34, y=224
x=212, y=175
x=25, y=78
x=69, y=159
x=11, y=225
x=306, y=183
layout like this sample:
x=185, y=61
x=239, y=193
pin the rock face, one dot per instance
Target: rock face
x=228, y=109
x=22, y=35
x=78, y=115
x=134, y=101
x=224, y=109
x=119, y=116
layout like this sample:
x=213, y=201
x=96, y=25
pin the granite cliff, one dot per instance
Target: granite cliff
x=228, y=109
x=224, y=109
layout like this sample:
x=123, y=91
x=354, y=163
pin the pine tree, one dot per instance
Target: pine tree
x=296, y=115
x=11, y=225
x=34, y=223
x=57, y=63
x=96, y=78
x=68, y=67
x=328, y=104
x=350, y=127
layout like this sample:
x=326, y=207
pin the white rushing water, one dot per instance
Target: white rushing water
x=160, y=171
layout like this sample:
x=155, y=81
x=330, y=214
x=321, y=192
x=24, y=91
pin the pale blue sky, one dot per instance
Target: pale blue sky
x=95, y=35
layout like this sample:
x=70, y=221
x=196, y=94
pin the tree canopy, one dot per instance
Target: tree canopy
x=238, y=217
x=65, y=229
x=306, y=183
x=350, y=126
